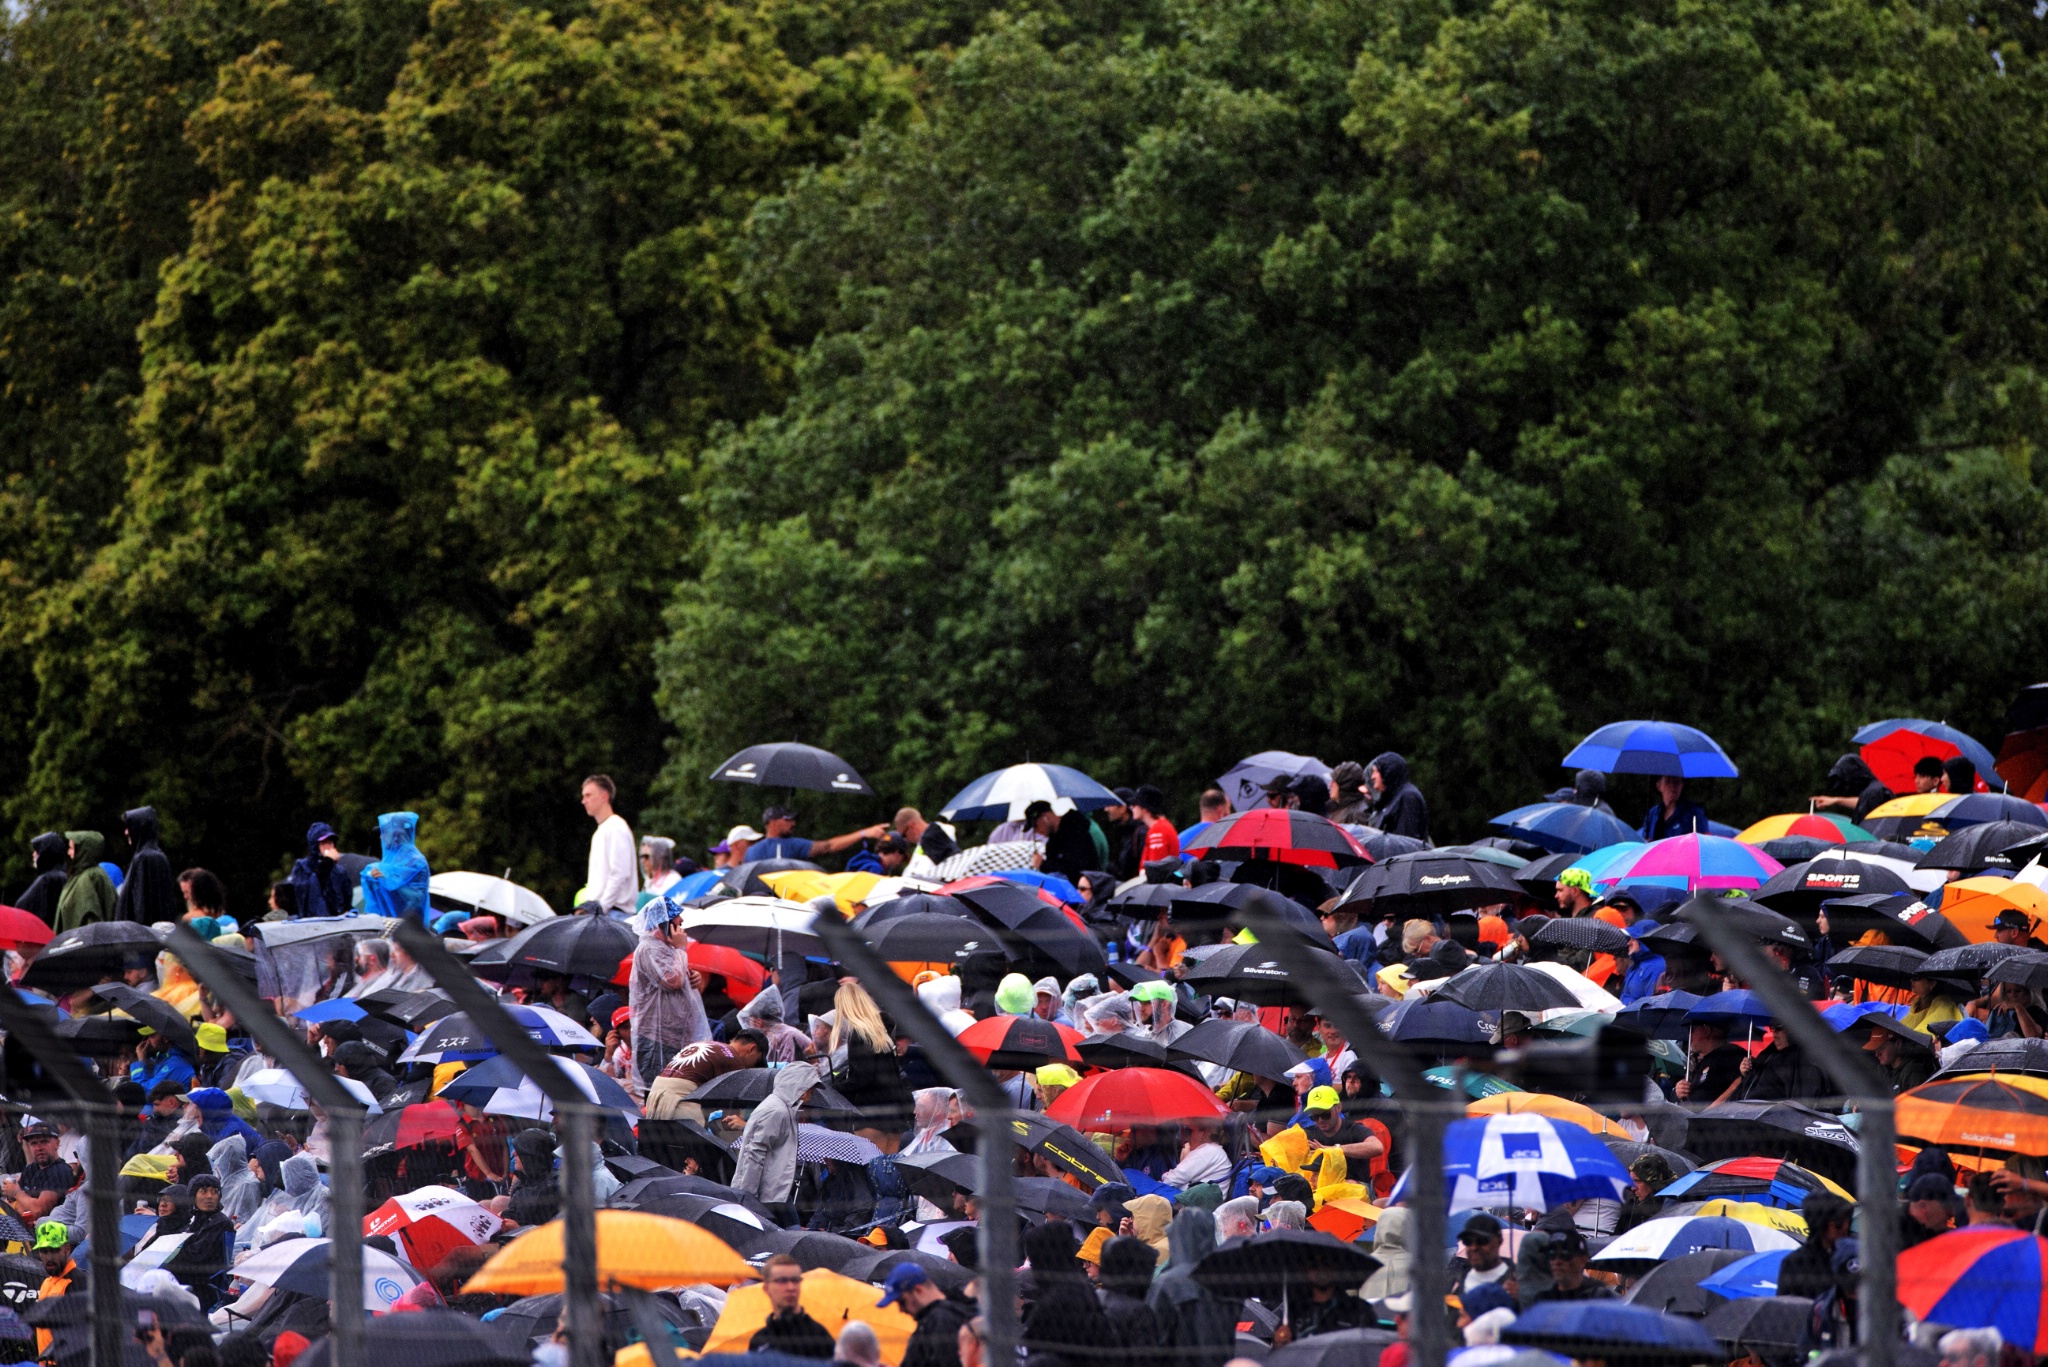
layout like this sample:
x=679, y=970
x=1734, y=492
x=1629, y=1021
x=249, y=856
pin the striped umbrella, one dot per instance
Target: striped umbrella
x=1982, y=1277
x=1771, y=1181
x=1892, y=747
x=1652, y=747
x=1668, y=1237
x=1979, y=1111
x=1004, y=794
x=1694, y=862
x=497, y=1087
x=1832, y=830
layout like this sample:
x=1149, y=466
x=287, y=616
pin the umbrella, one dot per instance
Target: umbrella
x=301, y=1266
x=1612, y=1329
x=1970, y=904
x=1033, y=927
x=1505, y=987
x=751, y=1086
x=1973, y=809
x=1659, y=1017
x=816, y=1144
x=1044, y=882
x=1382, y=845
x=407, y=1010
x=937, y=1176
x=1674, y=1236
x=663, y=1185
x=1240, y=1046
x=485, y=895
x=1020, y=1042
x=1245, y=783
x=1754, y=1212
x=432, y=1222
x=985, y=861
x=786, y=764
x=1003, y=794
x=2013, y=1054
x=915, y=904
x=532, y=1318
x=81, y=957
x=497, y=1086
x=754, y=877
x=1562, y=826
x=749, y=1234
x=1050, y=1196
x=1891, y=748
x=1969, y=962
x=442, y=1337
x=1814, y=1139
x=1674, y=1286
x=428, y=1122
x=1773, y=1181
x=1980, y=1277
x=1215, y=903
x=2023, y=755
x=1285, y=835
x=1735, y=1006
x=1982, y=846
x=99, y=1036
x=633, y=1249
x=1739, y=914
x=1885, y=965
x=454, y=1039
x=1250, y=973
x=1819, y=826
x=2028, y=969
x=1512, y=1102
x=1425, y=1020
x=278, y=1087
x=1582, y=932
x=767, y=926
x=585, y=946
x=153, y=1012
x=22, y=929
x=1908, y=818
x=1651, y=747
x=1526, y=1160
x=1694, y=862
x=1060, y=1144
x=831, y=1298
x=1769, y=1324
x=1629, y=1150
x=1265, y=1265
x=1748, y=1277
x=1125, y=1097
x=1901, y=917
x=1431, y=883
x=1356, y=1348
x=1978, y=1110
x=932, y=938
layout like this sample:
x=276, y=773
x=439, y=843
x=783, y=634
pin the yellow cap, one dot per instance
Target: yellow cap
x=1057, y=1075
x=1322, y=1099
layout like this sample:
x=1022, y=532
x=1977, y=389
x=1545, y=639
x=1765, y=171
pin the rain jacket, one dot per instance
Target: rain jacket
x=396, y=885
x=88, y=894
x=1851, y=775
x=1150, y=1217
x=217, y=1118
x=317, y=888
x=766, y=1165
x=1390, y=1246
x=1198, y=1328
x=42, y=895
x=149, y=891
x=240, y=1192
x=1687, y=818
x=1401, y=809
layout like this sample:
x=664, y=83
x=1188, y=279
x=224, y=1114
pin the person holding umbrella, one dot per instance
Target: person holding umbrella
x=1780, y=1071
x=1713, y=1066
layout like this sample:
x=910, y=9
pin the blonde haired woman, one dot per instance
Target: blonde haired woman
x=864, y=1067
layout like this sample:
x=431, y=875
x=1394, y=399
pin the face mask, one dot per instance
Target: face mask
x=551, y=1354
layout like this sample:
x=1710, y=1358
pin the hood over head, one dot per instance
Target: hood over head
x=396, y=830
x=141, y=826
x=91, y=846
x=1190, y=1238
x=316, y=834
x=1850, y=776
x=229, y=1157
x=940, y=995
x=180, y=1197
x=48, y=851
x=765, y=1007
x=792, y=1082
x=1393, y=770
x=1015, y=996
x=1150, y=1216
x=301, y=1175
x=212, y=1102
x=272, y=1156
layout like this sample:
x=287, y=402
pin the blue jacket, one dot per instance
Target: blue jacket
x=169, y=1066
x=1645, y=968
x=1359, y=946
x=1686, y=818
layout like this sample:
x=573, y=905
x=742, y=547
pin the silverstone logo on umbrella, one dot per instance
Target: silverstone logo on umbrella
x=746, y=771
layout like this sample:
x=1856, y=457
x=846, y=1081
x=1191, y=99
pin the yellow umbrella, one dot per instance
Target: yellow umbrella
x=1755, y=1213
x=1912, y=804
x=1542, y=1103
x=829, y=1298
x=633, y=1249
x=848, y=890
x=1968, y=904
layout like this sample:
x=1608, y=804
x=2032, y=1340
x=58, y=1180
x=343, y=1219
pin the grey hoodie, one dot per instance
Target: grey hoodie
x=766, y=1165
x=1198, y=1328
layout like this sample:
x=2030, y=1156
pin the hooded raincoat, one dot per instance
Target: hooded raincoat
x=42, y=896
x=1401, y=809
x=240, y=1192
x=1851, y=777
x=1198, y=1328
x=88, y=894
x=317, y=888
x=149, y=891
x=396, y=885
x=766, y=1165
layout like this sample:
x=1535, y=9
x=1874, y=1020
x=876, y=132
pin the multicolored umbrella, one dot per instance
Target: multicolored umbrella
x=454, y=1039
x=412, y=1127
x=1002, y=795
x=1565, y=827
x=1667, y=1237
x=303, y=1266
x=1981, y=1277
x=1832, y=830
x=432, y=1222
x=1772, y=1181
x=1531, y=1161
x=1284, y=835
x=1694, y=862
x=1125, y=1097
x=1652, y=747
x=1892, y=747
x=1790, y=1221
x=1020, y=1042
x=497, y=1087
x=1978, y=1111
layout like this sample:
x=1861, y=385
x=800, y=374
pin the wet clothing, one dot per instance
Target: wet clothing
x=1850, y=776
x=396, y=885
x=88, y=895
x=793, y=1332
x=668, y=1013
x=936, y=1340
x=1401, y=808
x=765, y=1160
x=1687, y=818
x=1197, y=1327
x=42, y=895
x=149, y=892
x=317, y=885
x=1783, y=1075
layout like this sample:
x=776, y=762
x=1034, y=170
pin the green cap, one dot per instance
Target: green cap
x=1157, y=990
x=51, y=1234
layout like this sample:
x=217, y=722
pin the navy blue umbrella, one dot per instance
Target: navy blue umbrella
x=1652, y=747
x=1661, y=1016
x=1612, y=1329
x=1724, y=1008
x=1563, y=827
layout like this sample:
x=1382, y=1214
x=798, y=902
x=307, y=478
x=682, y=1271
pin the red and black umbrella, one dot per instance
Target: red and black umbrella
x=1020, y=1042
x=1286, y=835
x=412, y=1127
x=1133, y=1096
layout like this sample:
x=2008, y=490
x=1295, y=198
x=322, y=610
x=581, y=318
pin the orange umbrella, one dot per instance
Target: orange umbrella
x=2007, y=1112
x=828, y=1297
x=1969, y=904
x=1542, y=1103
x=633, y=1249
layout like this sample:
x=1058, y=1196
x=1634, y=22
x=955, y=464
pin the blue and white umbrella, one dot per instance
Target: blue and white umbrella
x=1651, y=747
x=1530, y=1161
x=1004, y=794
x=1245, y=784
x=1565, y=827
x=278, y=1087
x=456, y=1039
x=497, y=1087
x=1674, y=1236
x=1747, y=1278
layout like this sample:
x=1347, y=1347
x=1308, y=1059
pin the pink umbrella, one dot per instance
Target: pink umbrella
x=1694, y=862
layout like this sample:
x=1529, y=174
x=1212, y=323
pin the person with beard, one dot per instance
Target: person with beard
x=88, y=894
x=46, y=852
x=149, y=893
x=316, y=882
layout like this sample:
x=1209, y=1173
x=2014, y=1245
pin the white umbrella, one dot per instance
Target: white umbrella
x=150, y=1259
x=276, y=1087
x=497, y=896
x=755, y=925
x=1589, y=994
x=1004, y=794
x=302, y=1265
x=1011, y=854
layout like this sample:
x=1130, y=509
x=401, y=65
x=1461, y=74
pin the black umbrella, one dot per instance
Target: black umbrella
x=930, y=938
x=1383, y=845
x=745, y=879
x=1063, y=1146
x=752, y=1086
x=1629, y=1150
x=1539, y=876
x=1127, y=975
x=1740, y=914
x=1797, y=849
x=535, y=1317
x=81, y=957
x=1250, y=973
x=153, y=1012
x=1035, y=929
x=1121, y=1050
x=1661, y=1016
x=99, y=1036
x=786, y=764
x=1984, y=847
x=1146, y=901
x=1267, y=1265
x=1674, y=1287
x=1582, y=932
x=910, y=904
x=1890, y=914
x=1344, y=1348
x=748, y=1233
x=1505, y=987
x=643, y=1189
x=937, y=1176
x=1969, y=961
x=1425, y=1020
x=408, y=1010
x=1885, y=965
x=1430, y=883
x=441, y=1337
x=1761, y=1324
x=2012, y=1054
x=946, y=1274
x=1241, y=1046
x=1799, y=890
x=1223, y=904
x=1301, y=883
x=578, y=946
x=1050, y=1196
x=2029, y=970
x=1813, y=1139
x=834, y=1252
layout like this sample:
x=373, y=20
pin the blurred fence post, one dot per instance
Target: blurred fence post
x=1426, y=1106
x=572, y=1108
x=1877, y=1174
x=993, y=1111
x=99, y=1115
x=345, y=1113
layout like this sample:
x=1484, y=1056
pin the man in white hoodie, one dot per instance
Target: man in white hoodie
x=612, y=877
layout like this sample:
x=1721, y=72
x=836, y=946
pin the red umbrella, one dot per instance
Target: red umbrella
x=1021, y=1042
x=432, y=1222
x=410, y=1127
x=728, y=963
x=22, y=929
x=1133, y=1096
x=1286, y=835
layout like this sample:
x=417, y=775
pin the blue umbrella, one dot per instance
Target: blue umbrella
x=1607, y=857
x=1565, y=827
x=1651, y=747
x=1747, y=1278
x=1726, y=1008
x=1526, y=1160
x=1003, y=794
x=696, y=884
x=1661, y=1017
x=1047, y=882
x=1245, y=784
x=1420, y=1020
x=335, y=1009
x=1947, y=741
x=1612, y=1329
x=1842, y=1015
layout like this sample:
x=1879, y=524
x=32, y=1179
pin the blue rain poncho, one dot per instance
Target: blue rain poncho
x=396, y=885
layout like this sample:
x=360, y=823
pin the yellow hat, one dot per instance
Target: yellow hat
x=1322, y=1099
x=212, y=1038
x=1057, y=1075
x=1091, y=1247
x=1396, y=978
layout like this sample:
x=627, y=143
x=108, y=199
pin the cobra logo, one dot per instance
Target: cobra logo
x=387, y=1289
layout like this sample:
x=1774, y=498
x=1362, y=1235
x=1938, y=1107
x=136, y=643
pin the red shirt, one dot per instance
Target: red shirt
x=1161, y=841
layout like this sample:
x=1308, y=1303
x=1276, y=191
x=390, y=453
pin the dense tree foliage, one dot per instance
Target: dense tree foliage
x=421, y=405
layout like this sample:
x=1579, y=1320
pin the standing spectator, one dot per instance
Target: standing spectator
x=1198, y=1327
x=765, y=1165
x=668, y=1012
x=1589, y=789
x=1214, y=806
x=1672, y=814
x=1350, y=798
x=149, y=892
x=205, y=895
x=1066, y=1321
x=789, y=1329
x=1926, y=774
x=88, y=894
x=317, y=887
x=610, y=880
x=1158, y=839
x=486, y=1157
x=936, y=1341
x=396, y=885
x=1958, y=775
x=1398, y=805
x=1118, y=830
x=732, y=851
x=864, y=1066
x=46, y=856
x=782, y=842
x=1126, y=1275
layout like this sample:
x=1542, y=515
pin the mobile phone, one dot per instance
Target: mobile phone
x=145, y=1324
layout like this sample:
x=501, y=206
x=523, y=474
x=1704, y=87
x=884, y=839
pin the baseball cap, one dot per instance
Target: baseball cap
x=1322, y=1099
x=212, y=1038
x=2012, y=918
x=1479, y=1222
x=1057, y=1075
x=720, y=848
x=51, y=1234
x=622, y=1015
x=777, y=811
x=1566, y=1243
x=901, y=1278
x=37, y=1129
x=742, y=832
